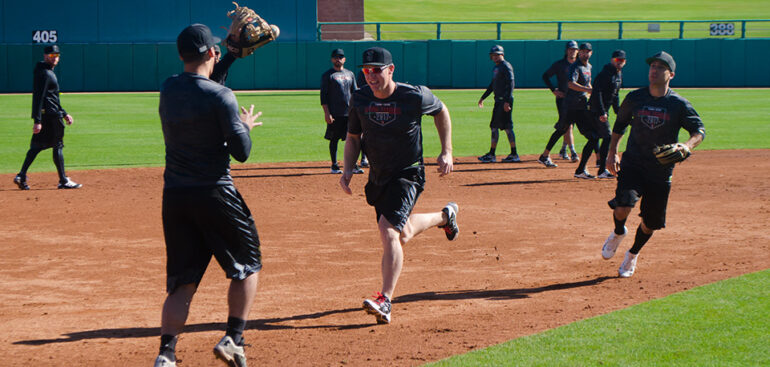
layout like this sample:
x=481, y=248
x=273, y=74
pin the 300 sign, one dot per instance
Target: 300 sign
x=45, y=36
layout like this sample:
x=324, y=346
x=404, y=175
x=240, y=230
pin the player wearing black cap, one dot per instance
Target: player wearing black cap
x=655, y=115
x=502, y=85
x=605, y=94
x=49, y=119
x=387, y=116
x=560, y=68
x=337, y=85
x=576, y=105
x=203, y=213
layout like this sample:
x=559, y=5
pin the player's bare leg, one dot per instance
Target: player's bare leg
x=241, y=295
x=176, y=309
x=392, y=256
x=489, y=157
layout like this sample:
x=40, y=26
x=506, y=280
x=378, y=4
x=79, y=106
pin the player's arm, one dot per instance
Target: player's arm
x=618, y=130
x=444, y=126
x=236, y=126
x=352, y=150
x=486, y=93
x=325, y=98
x=573, y=78
x=219, y=74
x=547, y=78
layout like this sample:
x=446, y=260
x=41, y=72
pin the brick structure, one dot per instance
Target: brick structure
x=341, y=11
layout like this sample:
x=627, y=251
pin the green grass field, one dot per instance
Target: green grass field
x=123, y=130
x=551, y=10
x=721, y=324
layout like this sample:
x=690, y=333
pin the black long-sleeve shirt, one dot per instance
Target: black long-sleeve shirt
x=605, y=90
x=45, y=94
x=202, y=128
x=558, y=68
x=222, y=68
x=502, y=83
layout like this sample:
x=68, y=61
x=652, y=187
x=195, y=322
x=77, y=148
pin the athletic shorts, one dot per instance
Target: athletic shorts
x=206, y=221
x=51, y=134
x=500, y=119
x=584, y=120
x=396, y=199
x=602, y=128
x=561, y=109
x=634, y=183
x=338, y=130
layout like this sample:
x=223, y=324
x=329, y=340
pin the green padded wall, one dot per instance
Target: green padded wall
x=436, y=63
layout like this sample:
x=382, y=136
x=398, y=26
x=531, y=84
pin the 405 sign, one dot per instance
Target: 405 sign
x=45, y=36
x=722, y=29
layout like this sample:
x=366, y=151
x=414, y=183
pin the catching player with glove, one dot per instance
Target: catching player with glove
x=655, y=115
x=248, y=32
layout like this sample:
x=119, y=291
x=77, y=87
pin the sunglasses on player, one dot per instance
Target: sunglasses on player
x=374, y=70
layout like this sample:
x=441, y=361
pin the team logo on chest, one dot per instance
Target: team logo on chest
x=653, y=117
x=382, y=113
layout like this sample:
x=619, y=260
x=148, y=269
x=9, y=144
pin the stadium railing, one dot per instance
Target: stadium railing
x=546, y=30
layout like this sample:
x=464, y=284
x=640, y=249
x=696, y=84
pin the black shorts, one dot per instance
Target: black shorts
x=396, y=199
x=561, y=109
x=51, y=134
x=634, y=182
x=500, y=119
x=602, y=128
x=338, y=130
x=206, y=221
x=584, y=120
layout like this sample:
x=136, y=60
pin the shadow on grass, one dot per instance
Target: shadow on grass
x=276, y=323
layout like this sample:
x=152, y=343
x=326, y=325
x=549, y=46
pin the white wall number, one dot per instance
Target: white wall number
x=46, y=36
x=722, y=29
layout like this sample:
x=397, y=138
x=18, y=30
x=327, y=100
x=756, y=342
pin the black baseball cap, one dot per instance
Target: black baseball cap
x=195, y=40
x=338, y=52
x=497, y=49
x=52, y=49
x=665, y=58
x=376, y=56
x=618, y=54
x=571, y=44
x=586, y=46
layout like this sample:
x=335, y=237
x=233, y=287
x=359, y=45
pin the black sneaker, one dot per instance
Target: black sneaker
x=21, y=182
x=488, y=158
x=546, y=161
x=512, y=158
x=364, y=163
x=336, y=169
x=357, y=170
x=69, y=184
x=575, y=157
x=380, y=308
x=451, y=228
x=605, y=174
x=584, y=175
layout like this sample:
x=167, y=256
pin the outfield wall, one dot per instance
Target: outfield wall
x=436, y=63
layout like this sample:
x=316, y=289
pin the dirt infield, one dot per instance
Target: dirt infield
x=82, y=272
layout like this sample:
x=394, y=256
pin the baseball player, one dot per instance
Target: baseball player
x=337, y=84
x=387, y=116
x=203, y=213
x=605, y=94
x=502, y=84
x=576, y=105
x=49, y=119
x=655, y=115
x=559, y=68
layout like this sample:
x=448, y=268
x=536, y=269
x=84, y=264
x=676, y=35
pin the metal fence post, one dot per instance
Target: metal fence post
x=558, y=30
x=620, y=30
x=681, y=30
x=438, y=31
x=378, y=31
x=743, y=29
x=499, y=31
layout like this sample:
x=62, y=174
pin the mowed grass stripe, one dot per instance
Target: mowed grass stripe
x=722, y=324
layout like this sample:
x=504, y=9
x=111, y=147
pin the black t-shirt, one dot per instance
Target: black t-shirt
x=605, y=90
x=336, y=87
x=581, y=74
x=502, y=83
x=654, y=122
x=560, y=69
x=201, y=128
x=391, y=127
x=45, y=94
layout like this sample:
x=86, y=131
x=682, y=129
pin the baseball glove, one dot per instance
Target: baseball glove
x=248, y=32
x=671, y=153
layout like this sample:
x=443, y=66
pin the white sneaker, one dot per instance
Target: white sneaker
x=628, y=266
x=228, y=352
x=162, y=361
x=612, y=243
